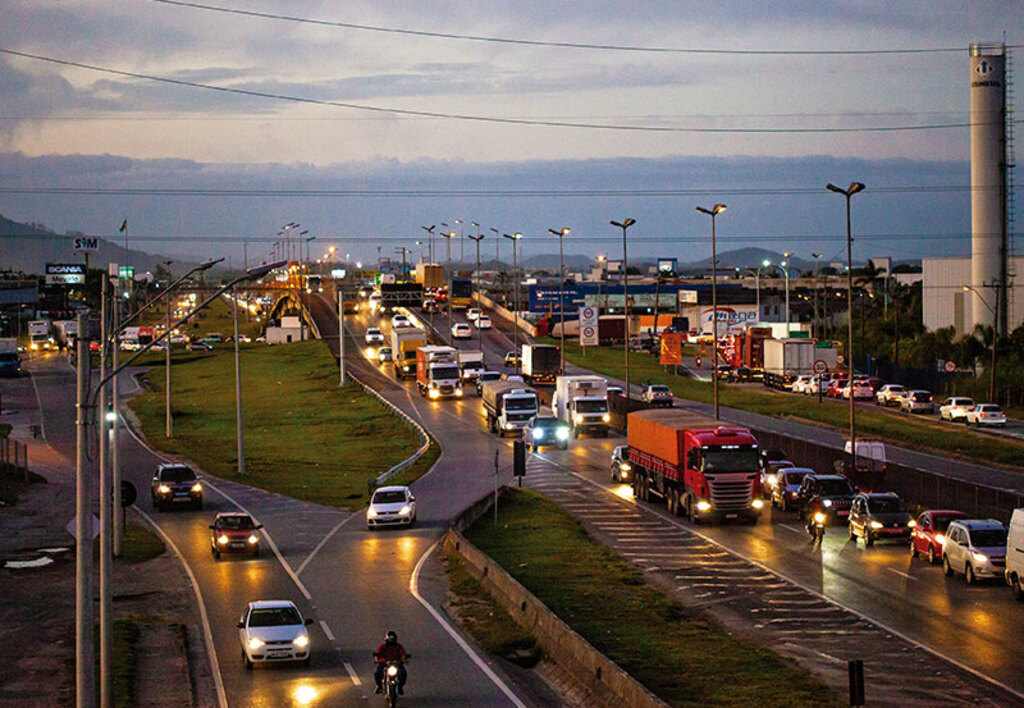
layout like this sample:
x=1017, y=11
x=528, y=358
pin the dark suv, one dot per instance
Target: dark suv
x=880, y=515
x=175, y=484
x=830, y=493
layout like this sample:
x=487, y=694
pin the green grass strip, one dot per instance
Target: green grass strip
x=903, y=430
x=679, y=654
x=305, y=437
x=140, y=544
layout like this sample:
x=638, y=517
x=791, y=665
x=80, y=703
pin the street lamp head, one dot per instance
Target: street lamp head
x=713, y=211
x=332, y=249
x=475, y=224
x=496, y=231
x=210, y=264
x=602, y=259
x=458, y=221
x=966, y=288
x=850, y=191
x=765, y=263
x=257, y=272
x=429, y=229
x=516, y=236
x=561, y=232
x=624, y=224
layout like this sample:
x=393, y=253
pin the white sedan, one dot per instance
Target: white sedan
x=271, y=631
x=483, y=322
x=986, y=414
x=461, y=330
x=472, y=313
x=400, y=320
x=955, y=408
x=391, y=506
x=374, y=336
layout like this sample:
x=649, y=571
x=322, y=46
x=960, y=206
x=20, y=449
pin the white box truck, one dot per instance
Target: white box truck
x=582, y=402
x=786, y=359
x=471, y=365
x=437, y=372
x=39, y=335
x=509, y=405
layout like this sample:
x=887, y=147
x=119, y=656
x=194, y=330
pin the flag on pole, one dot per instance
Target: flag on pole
x=124, y=226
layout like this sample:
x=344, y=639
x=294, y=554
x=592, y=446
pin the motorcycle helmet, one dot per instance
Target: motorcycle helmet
x=391, y=636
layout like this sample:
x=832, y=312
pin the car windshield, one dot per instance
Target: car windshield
x=274, y=617
x=731, y=459
x=592, y=406
x=924, y=397
x=521, y=403
x=886, y=505
x=836, y=487
x=445, y=372
x=988, y=538
x=235, y=522
x=389, y=497
x=177, y=474
x=545, y=422
x=373, y=330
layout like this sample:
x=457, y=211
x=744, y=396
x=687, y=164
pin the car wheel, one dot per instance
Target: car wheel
x=969, y=576
x=256, y=552
x=932, y=558
x=853, y=534
x=1018, y=591
x=216, y=554
x=946, y=567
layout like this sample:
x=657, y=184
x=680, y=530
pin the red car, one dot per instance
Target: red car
x=930, y=533
x=234, y=532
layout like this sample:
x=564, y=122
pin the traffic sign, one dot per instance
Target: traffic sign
x=840, y=359
x=128, y=493
x=820, y=367
x=72, y=526
x=588, y=326
x=950, y=367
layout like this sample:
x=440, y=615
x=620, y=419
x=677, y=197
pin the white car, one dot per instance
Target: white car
x=955, y=408
x=391, y=506
x=801, y=384
x=986, y=414
x=400, y=321
x=890, y=394
x=272, y=631
x=976, y=548
x=374, y=336
x=483, y=322
x=917, y=402
x=461, y=330
x=472, y=313
x=859, y=389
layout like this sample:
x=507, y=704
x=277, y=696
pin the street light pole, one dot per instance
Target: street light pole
x=448, y=266
x=995, y=332
x=625, y=224
x=478, y=238
x=430, y=241
x=515, y=308
x=169, y=421
x=713, y=212
x=238, y=391
x=849, y=192
x=785, y=272
x=561, y=290
x=816, y=327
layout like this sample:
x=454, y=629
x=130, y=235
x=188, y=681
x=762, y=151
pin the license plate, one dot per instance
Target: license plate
x=278, y=653
x=731, y=516
x=843, y=513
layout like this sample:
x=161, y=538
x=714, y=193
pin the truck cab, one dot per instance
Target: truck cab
x=508, y=405
x=437, y=372
x=471, y=365
x=582, y=402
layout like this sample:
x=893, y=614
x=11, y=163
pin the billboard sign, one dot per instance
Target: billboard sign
x=672, y=348
x=65, y=274
x=86, y=244
x=588, y=326
x=731, y=319
x=688, y=297
x=668, y=265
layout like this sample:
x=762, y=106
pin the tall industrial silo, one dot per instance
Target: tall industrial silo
x=988, y=182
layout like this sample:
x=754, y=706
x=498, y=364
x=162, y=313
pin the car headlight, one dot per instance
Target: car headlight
x=703, y=506
x=941, y=538
x=911, y=524
x=819, y=518
x=253, y=538
x=771, y=479
x=625, y=466
x=197, y=487
x=606, y=418
x=255, y=643
x=434, y=393
x=301, y=641
x=405, y=510
x=371, y=512
x=163, y=489
x=392, y=671
x=826, y=503
x=757, y=503
x=562, y=433
x=223, y=540
x=877, y=525
x=979, y=557
x=458, y=391
x=538, y=433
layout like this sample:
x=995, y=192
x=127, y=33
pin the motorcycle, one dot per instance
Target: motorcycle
x=816, y=526
x=391, y=679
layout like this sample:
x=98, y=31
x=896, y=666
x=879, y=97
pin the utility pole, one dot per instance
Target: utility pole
x=169, y=421
x=341, y=335
x=478, y=238
x=238, y=390
x=85, y=660
x=106, y=523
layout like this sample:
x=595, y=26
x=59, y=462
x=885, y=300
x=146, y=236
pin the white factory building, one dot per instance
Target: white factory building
x=946, y=304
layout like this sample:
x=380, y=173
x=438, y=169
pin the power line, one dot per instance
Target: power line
x=485, y=119
x=563, y=45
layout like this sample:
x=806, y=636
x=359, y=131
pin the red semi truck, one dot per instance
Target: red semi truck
x=702, y=468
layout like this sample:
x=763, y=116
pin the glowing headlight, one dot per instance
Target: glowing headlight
x=538, y=433
x=819, y=518
x=163, y=489
x=941, y=538
x=253, y=538
x=197, y=487
x=458, y=391
x=392, y=671
x=771, y=479
x=757, y=503
x=302, y=640
x=625, y=466
x=562, y=433
x=371, y=512
x=606, y=418
x=703, y=506
x=911, y=523
x=979, y=557
x=405, y=510
x=255, y=643
x=434, y=393
x=223, y=540
x=877, y=525
x=826, y=503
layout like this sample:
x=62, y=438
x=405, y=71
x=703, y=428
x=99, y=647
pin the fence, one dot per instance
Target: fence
x=13, y=457
x=929, y=489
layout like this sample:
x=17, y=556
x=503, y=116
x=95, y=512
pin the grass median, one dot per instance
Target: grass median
x=305, y=437
x=679, y=654
x=903, y=430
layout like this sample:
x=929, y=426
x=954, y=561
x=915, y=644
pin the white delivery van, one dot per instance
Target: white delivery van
x=1015, y=554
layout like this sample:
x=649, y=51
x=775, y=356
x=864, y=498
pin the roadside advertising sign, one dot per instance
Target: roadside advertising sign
x=672, y=348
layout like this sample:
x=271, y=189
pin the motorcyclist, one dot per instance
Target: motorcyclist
x=814, y=506
x=388, y=651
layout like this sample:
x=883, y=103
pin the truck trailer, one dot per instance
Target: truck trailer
x=429, y=275
x=540, y=363
x=471, y=365
x=786, y=359
x=461, y=293
x=509, y=405
x=702, y=468
x=582, y=402
x=404, y=343
x=437, y=372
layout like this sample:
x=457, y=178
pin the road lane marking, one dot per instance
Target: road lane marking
x=327, y=630
x=323, y=542
x=793, y=529
x=218, y=681
x=900, y=572
x=353, y=675
x=414, y=580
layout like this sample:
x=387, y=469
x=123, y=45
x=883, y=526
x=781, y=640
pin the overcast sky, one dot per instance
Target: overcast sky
x=428, y=118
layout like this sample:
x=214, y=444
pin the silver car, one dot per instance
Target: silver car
x=976, y=548
x=272, y=631
x=918, y=402
x=622, y=470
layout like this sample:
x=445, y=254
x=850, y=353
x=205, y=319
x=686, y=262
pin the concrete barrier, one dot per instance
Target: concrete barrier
x=505, y=314
x=592, y=669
